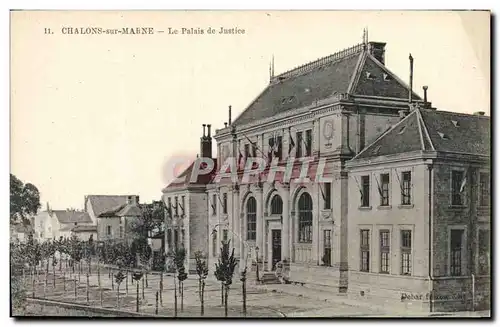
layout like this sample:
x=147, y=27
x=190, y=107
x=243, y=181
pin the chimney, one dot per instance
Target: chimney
x=136, y=199
x=425, y=87
x=206, y=143
x=479, y=113
x=225, y=125
x=229, y=115
x=410, y=93
x=129, y=199
x=377, y=50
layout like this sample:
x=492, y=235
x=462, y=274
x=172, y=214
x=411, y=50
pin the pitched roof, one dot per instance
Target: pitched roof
x=433, y=130
x=103, y=203
x=185, y=178
x=342, y=72
x=122, y=210
x=71, y=216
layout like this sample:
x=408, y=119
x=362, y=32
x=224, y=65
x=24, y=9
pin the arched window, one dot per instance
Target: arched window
x=276, y=205
x=251, y=219
x=305, y=218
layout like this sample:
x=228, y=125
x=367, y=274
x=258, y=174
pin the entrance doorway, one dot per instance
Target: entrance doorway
x=276, y=243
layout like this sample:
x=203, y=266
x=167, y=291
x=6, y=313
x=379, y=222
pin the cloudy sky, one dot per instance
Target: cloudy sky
x=106, y=114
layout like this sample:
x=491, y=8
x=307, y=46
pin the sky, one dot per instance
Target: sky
x=110, y=114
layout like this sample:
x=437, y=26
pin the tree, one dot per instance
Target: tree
x=119, y=277
x=24, y=199
x=202, y=271
x=179, y=258
x=243, y=280
x=224, y=270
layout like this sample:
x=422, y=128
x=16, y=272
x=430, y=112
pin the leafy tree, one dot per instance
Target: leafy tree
x=202, y=271
x=18, y=259
x=24, y=199
x=179, y=259
x=224, y=270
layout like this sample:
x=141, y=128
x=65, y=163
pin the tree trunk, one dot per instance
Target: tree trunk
x=143, y=289
x=54, y=273
x=203, y=298
x=225, y=299
x=99, y=275
x=244, y=286
x=75, y=290
x=90, y=265
x=64, y=281
x=60, y=261
x=156, y=304
x=146, y=280
x=221, y=294
x=118, y=295
x=88, y=286
x=112, y=282
x=47, y=273
x=175, y=297
x=137, y=299
x=126, y=282
x=33, y=293
x=182, y=295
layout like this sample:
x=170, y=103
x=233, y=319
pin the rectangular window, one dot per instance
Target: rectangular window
x=299, y=145
x=328, y=196
x=224, y=203
x=457, y=178
x=169, y=207
x=484, y=189
x=406, y=252
x=176, y=208
x=456, y=252
x=309, y=142
x=247, y=151
x=224, y=235
x=254, y=150
x=176, y=238
x=108, y=230
x=214, y=204
x=121, y=231
x=384, y=189
x=406, y=188
x=169, y=238
x=183, y=208
x=183, y=237
x=327, y=247
x=484, y=252
x=365, y=250
x=280, y=147
x=365, y=189
x=214, y=243
x=385, y=251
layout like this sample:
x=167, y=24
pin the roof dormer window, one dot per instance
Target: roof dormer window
x=443, y=136
x=370, y=76
x=387, y=77
x=455, y=123
x=402, y=130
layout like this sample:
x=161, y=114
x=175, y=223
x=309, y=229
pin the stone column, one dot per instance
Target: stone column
x=260, y=221
x=292, y=233
x=238, y=237
x=286, y=236
x=315, y=224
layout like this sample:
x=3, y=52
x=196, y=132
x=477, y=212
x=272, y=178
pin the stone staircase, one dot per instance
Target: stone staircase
x=269, y=277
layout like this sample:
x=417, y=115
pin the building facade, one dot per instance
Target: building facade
x=301, y=191
x=419, y=213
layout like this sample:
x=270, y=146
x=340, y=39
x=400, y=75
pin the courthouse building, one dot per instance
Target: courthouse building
x=347, y=109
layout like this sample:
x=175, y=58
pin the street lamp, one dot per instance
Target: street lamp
x=257, y=261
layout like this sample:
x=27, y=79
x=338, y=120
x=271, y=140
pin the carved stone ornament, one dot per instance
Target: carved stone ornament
x=328, y=130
